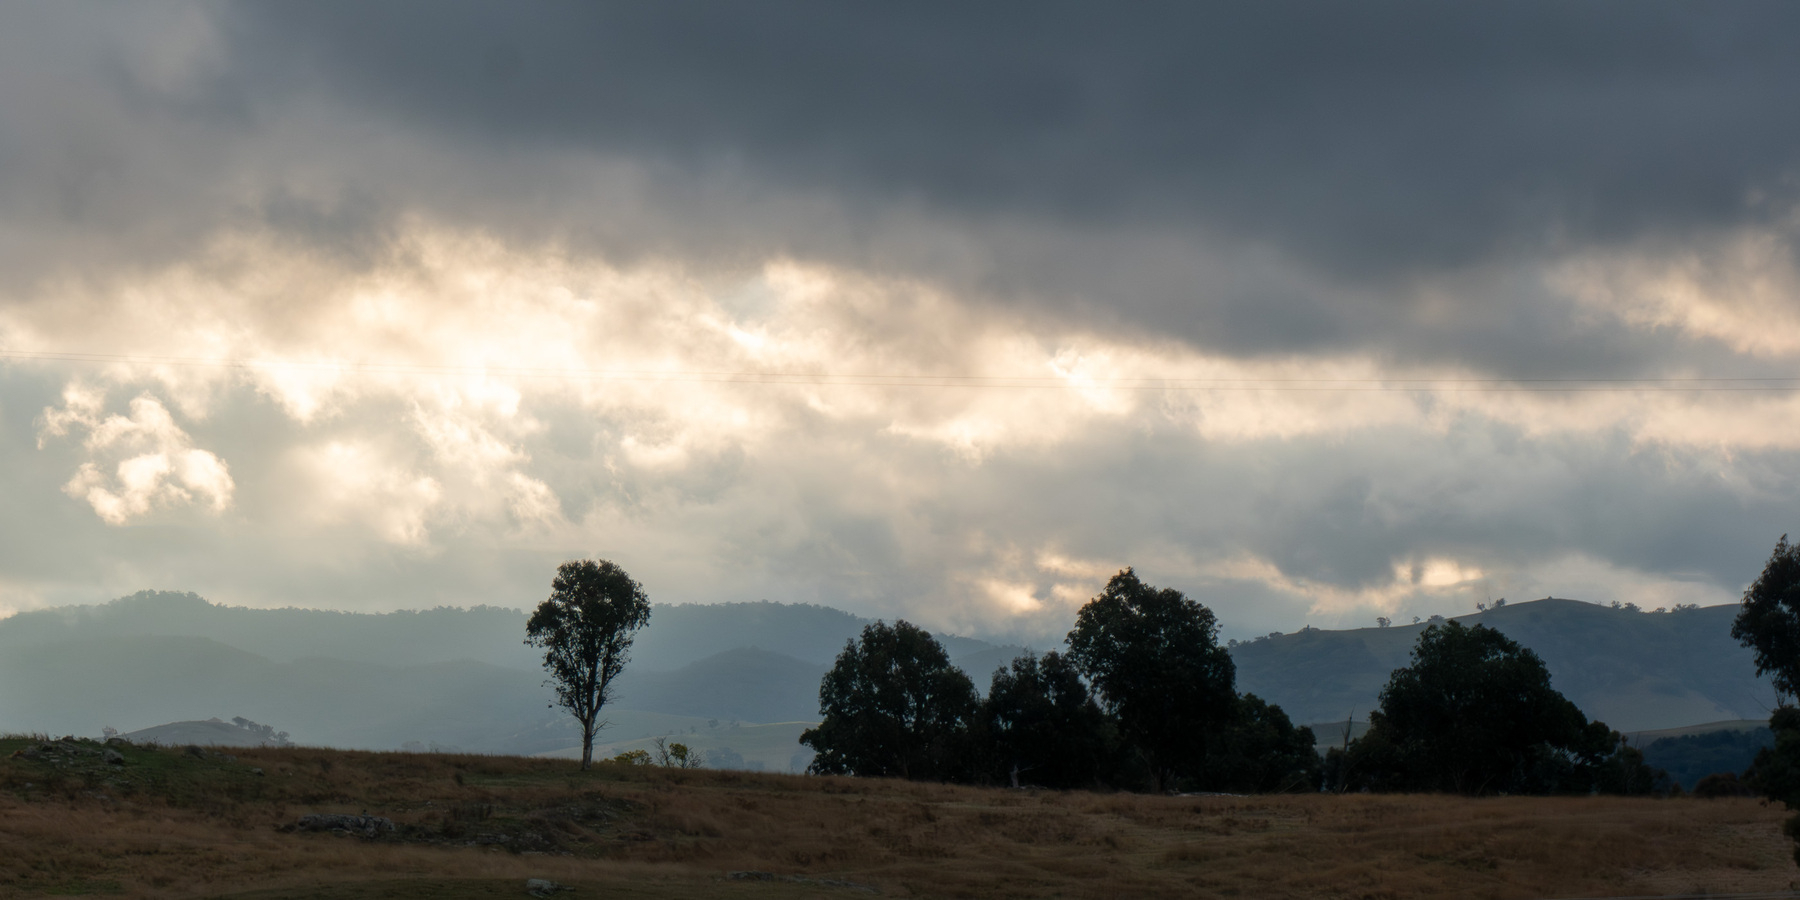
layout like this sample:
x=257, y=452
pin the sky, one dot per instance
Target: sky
x=1317, y=312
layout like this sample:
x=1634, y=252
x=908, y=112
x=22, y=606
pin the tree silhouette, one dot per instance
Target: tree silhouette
x=1044, y=728
x=1259, y=750
x=1155, y=659
x=893, y=705
x=1769, y=622
x=586, y=628
x=1474, y=713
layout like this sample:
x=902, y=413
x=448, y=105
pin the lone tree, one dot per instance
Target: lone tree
x=894, y=706
x=586, y=628
x=1155, y=658
x=1769, y=622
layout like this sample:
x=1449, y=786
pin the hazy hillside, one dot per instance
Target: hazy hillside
x=676, y=636
x=746, y=684
x=1633, y=670
x=682, y=634
x=483, y=634
x=462, y=677
x=446, y=676
x=136, y=682
x=210, y=733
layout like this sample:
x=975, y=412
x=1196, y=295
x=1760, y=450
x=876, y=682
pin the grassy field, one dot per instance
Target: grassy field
x=771, y=746
x=168, y=823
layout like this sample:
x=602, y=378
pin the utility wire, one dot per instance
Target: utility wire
x=1354, y=385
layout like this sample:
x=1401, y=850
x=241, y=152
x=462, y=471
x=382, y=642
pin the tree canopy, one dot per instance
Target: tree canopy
x=1154, y=657
x=1769, y=622
x=893, y=705
x=1044, y=727
x=1259, y=750
x=1474, y=713
x=586, y=628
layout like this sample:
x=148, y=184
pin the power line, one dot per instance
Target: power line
x=1762, y=384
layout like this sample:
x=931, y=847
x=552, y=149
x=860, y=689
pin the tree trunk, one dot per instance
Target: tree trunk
x=587, y=744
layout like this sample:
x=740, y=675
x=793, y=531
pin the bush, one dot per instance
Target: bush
x=1722, y=784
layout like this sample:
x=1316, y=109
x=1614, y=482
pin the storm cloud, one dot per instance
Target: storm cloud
x=1316, y=310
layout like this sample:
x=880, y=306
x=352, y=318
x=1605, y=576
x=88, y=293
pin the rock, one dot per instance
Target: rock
x=367, y=826
x=256, y=771
x=544, y=887
x=114, y=758
x=750, y=876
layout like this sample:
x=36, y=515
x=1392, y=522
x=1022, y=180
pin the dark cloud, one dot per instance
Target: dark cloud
x=1367, y=138
x=1256, y=179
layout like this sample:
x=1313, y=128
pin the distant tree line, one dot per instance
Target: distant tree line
x=266, y=732
x=1145, y=698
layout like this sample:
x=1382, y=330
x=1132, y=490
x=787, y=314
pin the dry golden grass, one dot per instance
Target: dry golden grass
x=202, y=827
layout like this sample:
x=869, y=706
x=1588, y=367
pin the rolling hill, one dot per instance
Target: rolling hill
x=1636, y=671
x=444, y=677
x=463, y=678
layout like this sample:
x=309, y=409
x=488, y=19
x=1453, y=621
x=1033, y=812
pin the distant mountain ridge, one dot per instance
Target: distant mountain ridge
x=379, y=680
x=465, y=678
x=677, y=635
x=1636, y=671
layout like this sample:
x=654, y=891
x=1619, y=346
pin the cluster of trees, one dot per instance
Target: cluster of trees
x=266, y=732
x=1474, y=713
x=1144, y=697
x=666, y=754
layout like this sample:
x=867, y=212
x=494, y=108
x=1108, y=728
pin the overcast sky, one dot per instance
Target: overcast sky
x=1317, y=312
